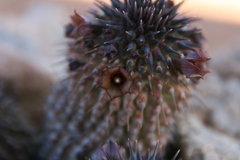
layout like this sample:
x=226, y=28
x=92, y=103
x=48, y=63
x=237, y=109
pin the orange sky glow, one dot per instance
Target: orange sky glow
x=219, y=10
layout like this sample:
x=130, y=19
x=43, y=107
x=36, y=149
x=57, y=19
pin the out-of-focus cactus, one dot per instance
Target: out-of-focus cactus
x=16, y=132
x=131, y=69
x=112, y=151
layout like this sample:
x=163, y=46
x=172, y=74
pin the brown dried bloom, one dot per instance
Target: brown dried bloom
x=194, y=65
x=112, y=151
x=116, y=81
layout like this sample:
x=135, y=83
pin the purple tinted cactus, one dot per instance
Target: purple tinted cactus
x=112, y=151
x=131, y=70
x=16, y=131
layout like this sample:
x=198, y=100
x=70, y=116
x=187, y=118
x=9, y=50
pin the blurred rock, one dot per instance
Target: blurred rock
x=20, y=76
x=204, y=143
x=31, y=43
x=222, y=100
x=227, y=61
x=37, y=35
x=27, y=85
x=212, y=130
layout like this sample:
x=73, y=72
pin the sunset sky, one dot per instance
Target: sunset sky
x=220, y=10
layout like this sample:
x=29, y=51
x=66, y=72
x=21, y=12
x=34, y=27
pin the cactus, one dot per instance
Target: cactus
x=111, y=150
x=16, y=132
x=130, y=71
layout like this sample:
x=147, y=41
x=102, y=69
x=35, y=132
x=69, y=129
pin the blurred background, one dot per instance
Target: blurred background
x=32, y=48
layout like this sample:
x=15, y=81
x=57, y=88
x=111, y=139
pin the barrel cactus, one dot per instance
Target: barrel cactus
x=131, y=69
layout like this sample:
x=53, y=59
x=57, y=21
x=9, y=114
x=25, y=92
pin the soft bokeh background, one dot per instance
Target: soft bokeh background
x=32, y=48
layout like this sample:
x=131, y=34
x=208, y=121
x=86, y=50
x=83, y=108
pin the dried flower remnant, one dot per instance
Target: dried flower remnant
x=194, y=65
x=141, y=47
x=112, y=151
x=81, y=23
x=77, y=19
x=116, y=81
